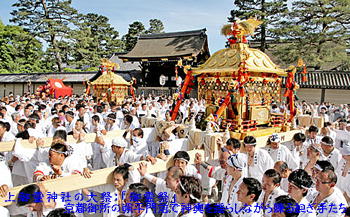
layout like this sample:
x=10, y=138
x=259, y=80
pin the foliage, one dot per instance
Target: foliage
x=91, y=69
x=20, y=52
x=48, y=20
x=268, y=11
x=156, y=26
x=137, y=28
x=71, y=70
x=318, y=31
x=130, y=39
x=94, y=39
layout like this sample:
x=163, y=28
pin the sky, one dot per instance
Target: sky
x=176, y=15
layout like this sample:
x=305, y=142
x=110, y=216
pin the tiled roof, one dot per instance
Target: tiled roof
x=73, y=77
x=168, y=45
x=325, y=80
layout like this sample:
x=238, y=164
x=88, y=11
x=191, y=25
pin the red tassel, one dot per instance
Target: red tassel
x=244, y=40
x=241, y=91
x=232, y=41
x=286, y=93
x=304, y=74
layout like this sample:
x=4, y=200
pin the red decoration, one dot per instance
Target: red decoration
x=186, y=83
x=223, y=106
x=243, y=78
x=304, y=74
x=176, y=73
x=290, y=87
x=56, y=88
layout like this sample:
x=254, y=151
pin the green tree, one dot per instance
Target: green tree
x=94, y=39
x=49, y=20
x=134, y=31
x=156, y=26
x=318, y=31
x=19, y=50
x=268, y=11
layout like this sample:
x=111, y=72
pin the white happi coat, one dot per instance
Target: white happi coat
x=270, y=200
x=282, y=154
x=342, y=181
x=336, y=199
x=262, y=161
x=69, y=166
x=299, y=155
x=334, y=157
x=134, y=177
x=110, y=160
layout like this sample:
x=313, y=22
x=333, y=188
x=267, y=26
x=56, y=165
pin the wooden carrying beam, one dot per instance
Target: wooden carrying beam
x=99, y=177
x=89, y=137
x=285, y=136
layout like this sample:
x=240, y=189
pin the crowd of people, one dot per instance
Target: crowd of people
x=306, y=176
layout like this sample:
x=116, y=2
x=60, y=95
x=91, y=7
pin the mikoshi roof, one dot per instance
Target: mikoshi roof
x=108, y=78
x=228, y=61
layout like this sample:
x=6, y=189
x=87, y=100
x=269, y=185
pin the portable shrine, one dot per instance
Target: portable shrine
x=239, y=85
x=109, y=86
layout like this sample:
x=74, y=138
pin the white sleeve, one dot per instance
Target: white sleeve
x=5, y=178
x=217, y=173
x=133, y=157
x=269, y=164
x=41, y=170
x=107, y=156
x=342, y=135
x=134, y=176
x=4, y=212
x=23, y=154
x=292, y=164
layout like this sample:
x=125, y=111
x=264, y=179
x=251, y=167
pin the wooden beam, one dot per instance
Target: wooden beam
x=99, y=177
x=89, y=137
x=285, y=136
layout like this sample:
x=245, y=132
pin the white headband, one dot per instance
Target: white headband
x=191, y=196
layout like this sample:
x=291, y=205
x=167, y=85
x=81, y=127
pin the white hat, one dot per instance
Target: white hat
x=238, y=161
x=120, y=142
x=275, y=138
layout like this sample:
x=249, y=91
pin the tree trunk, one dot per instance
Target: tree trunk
x=263, y=28
x=58, y=57
x=53, y=39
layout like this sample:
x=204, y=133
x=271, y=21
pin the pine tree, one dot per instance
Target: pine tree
x=156, y=26
x=130, y=39
x=318, y=31
x=94, y=39
x=20, y=52
x=137, y=28
x=48, y=20
x=265, y=10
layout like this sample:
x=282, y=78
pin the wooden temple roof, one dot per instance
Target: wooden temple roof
x=167, y=46
x=325, y=80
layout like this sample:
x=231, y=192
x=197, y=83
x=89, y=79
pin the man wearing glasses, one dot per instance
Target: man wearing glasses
x=326, y=200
